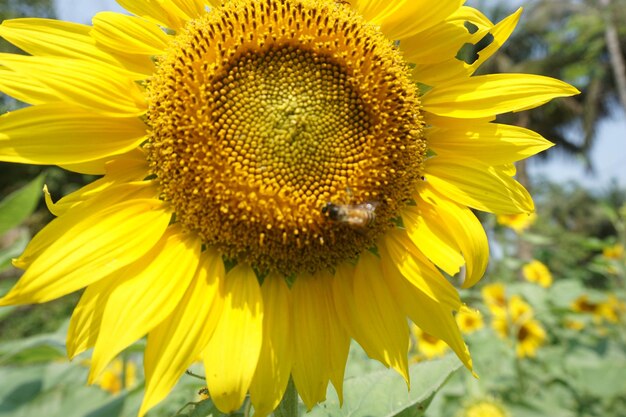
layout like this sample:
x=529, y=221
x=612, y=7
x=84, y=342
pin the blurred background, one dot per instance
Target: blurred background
x=546, y=326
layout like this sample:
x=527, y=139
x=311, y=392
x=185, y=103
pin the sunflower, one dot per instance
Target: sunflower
x=519, y=325
x=278, y=177
x=484, y=407
x=536, y=271
x=118, y=375
x=518, y=222
x=609, y=309
x=614, y=252
x=469, y=320
x=427, y=346
x=494, y=296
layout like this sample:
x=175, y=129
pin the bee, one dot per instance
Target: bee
x=354, y=215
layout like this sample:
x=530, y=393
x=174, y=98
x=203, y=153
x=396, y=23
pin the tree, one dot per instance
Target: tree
x=569, y=40
x=609, y=12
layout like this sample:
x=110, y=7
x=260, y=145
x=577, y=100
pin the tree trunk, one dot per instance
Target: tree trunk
x=615, y=51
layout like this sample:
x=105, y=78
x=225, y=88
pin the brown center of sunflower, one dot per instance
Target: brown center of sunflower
x=285, y=133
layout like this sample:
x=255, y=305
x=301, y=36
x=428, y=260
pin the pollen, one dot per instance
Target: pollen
x=262, y=113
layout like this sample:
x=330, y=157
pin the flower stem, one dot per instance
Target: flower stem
x=288, y=406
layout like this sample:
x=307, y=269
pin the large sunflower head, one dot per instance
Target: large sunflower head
x=279, y=177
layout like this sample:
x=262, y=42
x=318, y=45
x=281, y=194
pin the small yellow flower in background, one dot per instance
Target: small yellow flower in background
x=518, y=325
x=530, y=337
x=427, y=345
x=518, y=222
x=484, y=407
x=494, y=296
x=111, y=379
x=237, y=134
x=613, y=252
x=574, y=324
x=612, y=309
x=469, y=320
x=537, y=272
x=583, y=304
x=519, y=309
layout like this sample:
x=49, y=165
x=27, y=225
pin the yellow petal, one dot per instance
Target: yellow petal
x=192, y=9
x=443, y=66
x=338, y=348
x=487, y=95
x=115, y=195
x=175, y=343
x=477, y=185
x=93, y=167
x=379, y=314
x=85, y=323
x=161, y=12
x=438, y=73
x=233, y=352
x=491, y=143
x=397, y=247
x=24, y=88
x=320, y=344
x=434, y=51
x=147, y=291
x=408, y=17
x=373, y=10
x=50, y=37
x=462, y=225
x=439, y=43
x=82, y=83
x=71, y=254
x=128, y=34
x=129, y=168
x=276, y=359
x=432, y=317
x=473, y=16
x=347, y=313
x=55, y=38
x=451, y=122
x=97, y=166
x=500, y=33
x=50, y=134
x=432, y=236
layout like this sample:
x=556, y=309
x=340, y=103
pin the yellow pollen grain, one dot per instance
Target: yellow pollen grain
x=262, y=112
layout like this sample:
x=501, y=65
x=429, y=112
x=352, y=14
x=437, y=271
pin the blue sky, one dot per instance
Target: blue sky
x=608, y=155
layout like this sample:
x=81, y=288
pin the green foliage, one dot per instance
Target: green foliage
x=14, y=210
x=19, y=205
x=578, y=369
x=384, y=393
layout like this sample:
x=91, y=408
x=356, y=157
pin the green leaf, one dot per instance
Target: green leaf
x=16, y=247
x=124, y=404
x=384, y=393
x=40, y=348
x=599, y=375
x=20, y=204
x=564, y=292
x=52, y=390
